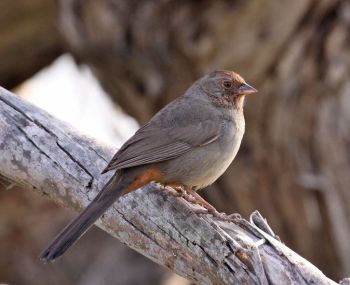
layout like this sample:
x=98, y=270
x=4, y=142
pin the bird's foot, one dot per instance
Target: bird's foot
x=179, y=192
x=171, y=191
x=193, y=197
x=198, y=200
x=220, y=215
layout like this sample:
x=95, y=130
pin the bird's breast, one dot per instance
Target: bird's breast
x=224, y=152
x=204, y=165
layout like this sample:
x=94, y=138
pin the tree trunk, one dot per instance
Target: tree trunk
x=294, y=162
x=29, y=39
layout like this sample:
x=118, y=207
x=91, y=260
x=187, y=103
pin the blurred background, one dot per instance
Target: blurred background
x=106, y=66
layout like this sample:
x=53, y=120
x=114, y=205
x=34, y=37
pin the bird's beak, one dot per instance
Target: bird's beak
x=246, y=89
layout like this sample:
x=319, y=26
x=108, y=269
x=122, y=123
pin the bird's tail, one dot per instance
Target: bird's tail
x=71, y=233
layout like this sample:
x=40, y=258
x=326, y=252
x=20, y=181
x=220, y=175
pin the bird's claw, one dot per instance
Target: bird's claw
x=207, y=209
x=219, y=215
x=180, y=192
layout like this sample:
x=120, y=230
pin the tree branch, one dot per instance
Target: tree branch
x=42, y=153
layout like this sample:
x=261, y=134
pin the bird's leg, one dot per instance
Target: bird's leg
x=200, y=201
x=178, y=191
x=193, y=197
x=190, y=196
x=172, y=191
x=210, y=209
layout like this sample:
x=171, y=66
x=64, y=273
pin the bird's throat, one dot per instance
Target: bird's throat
x=238, y=102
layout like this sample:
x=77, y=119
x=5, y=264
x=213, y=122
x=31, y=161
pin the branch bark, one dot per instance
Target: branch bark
x=44, y=154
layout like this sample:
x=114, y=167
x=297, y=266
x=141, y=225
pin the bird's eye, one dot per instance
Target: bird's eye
x=227, y=84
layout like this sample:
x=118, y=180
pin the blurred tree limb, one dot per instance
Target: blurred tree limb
x=44, y=154
x=28, y=36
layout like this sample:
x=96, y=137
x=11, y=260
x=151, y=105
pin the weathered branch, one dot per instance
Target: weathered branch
x=39, y=152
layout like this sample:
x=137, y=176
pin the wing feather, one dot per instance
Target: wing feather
x=151, y=144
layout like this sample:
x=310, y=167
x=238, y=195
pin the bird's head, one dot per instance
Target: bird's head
x=226, y=88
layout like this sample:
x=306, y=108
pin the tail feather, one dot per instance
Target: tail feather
x=70, y=234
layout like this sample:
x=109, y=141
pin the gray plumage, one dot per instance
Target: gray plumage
x=191, y=141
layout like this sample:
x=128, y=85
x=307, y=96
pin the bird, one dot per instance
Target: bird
x=187, y=145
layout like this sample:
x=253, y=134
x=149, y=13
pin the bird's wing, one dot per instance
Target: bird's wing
x=151, y=144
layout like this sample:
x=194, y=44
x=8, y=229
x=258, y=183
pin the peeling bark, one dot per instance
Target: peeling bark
x=44, y=154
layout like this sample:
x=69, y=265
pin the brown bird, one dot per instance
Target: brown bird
x=188, y=145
